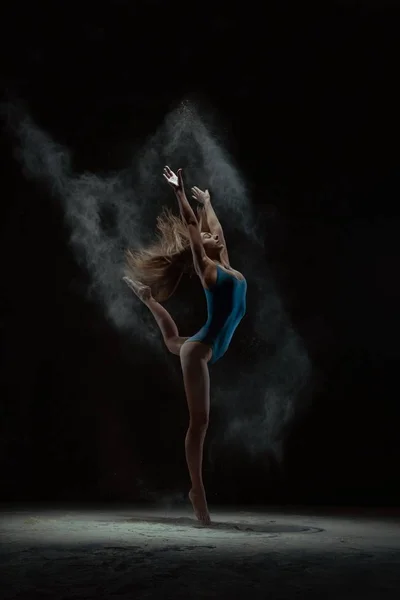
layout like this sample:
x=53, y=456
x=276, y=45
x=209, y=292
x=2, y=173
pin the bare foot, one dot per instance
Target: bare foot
x=143, y=292
x=199, y=503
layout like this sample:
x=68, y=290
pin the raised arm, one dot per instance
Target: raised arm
x=188, y=215
x=212, y=219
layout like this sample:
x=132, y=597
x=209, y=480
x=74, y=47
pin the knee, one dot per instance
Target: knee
x=199, y=422
x=171, y=345
x=174, y=344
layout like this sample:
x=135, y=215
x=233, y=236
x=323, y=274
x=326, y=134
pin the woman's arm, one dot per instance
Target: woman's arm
x=213, y=222
x=188, y=215
x=176, y=182
x=212, y=219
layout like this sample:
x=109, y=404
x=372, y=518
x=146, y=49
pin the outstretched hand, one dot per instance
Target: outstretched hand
x=200, y=196
x=175, y=181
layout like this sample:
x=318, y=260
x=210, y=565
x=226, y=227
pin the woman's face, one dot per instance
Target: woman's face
x=211, y=243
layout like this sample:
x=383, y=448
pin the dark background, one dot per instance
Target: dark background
x=308, y=98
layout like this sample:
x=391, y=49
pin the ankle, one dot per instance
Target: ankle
x=146, y=297
x=197, y=489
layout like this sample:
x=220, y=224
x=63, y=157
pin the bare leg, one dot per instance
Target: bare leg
x=167, y=325
x=194, y=358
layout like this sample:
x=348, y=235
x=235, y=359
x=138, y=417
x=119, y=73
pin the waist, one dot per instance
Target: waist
x=220, y=324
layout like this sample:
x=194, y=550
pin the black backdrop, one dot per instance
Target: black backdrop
x=310, y=110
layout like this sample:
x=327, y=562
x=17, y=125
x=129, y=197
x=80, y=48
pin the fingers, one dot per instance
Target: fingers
x=197, y=194
x=198, y=191
x=168, y=173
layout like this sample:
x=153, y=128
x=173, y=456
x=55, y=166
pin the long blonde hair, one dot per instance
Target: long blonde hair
x=162, y=264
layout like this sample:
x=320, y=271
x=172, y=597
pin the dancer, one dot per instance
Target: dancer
x=187, y=243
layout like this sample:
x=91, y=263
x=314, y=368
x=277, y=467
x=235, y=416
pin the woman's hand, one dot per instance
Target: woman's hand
x=202, y=197
x=175, y=181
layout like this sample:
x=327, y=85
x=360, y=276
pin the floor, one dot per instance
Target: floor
x=137, y=553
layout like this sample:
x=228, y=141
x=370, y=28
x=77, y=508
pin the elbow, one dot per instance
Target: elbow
x=191, y=220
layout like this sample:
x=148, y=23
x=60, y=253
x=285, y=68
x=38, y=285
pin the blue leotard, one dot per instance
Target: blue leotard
x=226, y=305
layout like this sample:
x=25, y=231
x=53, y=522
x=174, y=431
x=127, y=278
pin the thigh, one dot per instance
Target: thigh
x=194, y=357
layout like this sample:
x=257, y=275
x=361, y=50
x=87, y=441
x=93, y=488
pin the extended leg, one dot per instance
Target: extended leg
x=194, y=357
x=167, y=325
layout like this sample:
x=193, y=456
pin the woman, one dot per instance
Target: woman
x=154, y=273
